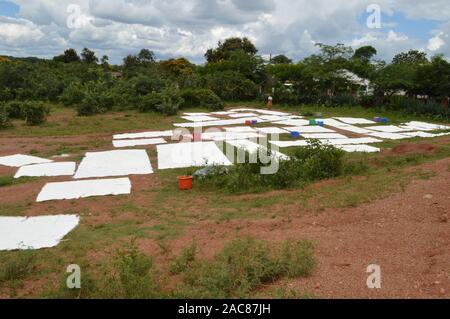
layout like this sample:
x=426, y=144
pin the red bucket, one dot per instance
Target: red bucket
x=185, y=183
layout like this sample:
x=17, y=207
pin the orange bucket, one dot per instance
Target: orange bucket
x=185, y=183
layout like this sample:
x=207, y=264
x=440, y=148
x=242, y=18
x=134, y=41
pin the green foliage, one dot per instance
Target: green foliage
x=201, y=98
x=97, y=100
x=170, y=101
x=73, y=95
x=132, y=277
x=226, y=48
x=243, y=266
x=308, y=164
x=4, y=118
x=18, y=267
x=6, y=180
x=183, y=262
x=35, y=113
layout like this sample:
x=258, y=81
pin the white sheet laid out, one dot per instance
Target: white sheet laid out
x=332, y=122
x=359, y=148
x=47, y=169
x=353, y=120
x=271, y=130
x=239, y=115
x=223, y=136
x=196, y=154
x=292, y=122
x=354, y=129
x=19, y=160
x=274, y=118
x=200, y=118
x=309, y=129
x=423, y=126
x=387, y=129
x=323, y=136
x=139, y=142
x=282, y=144
x=22, y=233
x=389, y=136
x=419, y=134
x=114, y=163
x=246, y=129
x=352, y=141
x=130, y=136
x=252, y=147
x=238, y=121
x=268, y=112
x=85, y=188
x=197, y=114
x=223, y=113
x=243, y=110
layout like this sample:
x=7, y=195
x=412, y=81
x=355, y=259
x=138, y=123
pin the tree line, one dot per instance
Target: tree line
x=234, y=71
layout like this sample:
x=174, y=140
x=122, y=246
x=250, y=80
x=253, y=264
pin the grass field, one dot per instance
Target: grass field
x=148, y=244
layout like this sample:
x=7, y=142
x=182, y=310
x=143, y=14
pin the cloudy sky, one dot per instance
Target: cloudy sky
x=173, y=28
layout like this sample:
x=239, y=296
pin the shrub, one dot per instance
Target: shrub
x=149, y=102
x=243, y=266
x=15, y=110
x=133, y=277
x=186, y=258
x=18, y=267
x=201, y=98
x=170, y=101
x=73, y=95
x=35, y=113
x=4, y=118
x=96, y=101
x=318, y=161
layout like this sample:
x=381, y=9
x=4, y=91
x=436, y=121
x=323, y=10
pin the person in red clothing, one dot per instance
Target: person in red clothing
x=270, y=103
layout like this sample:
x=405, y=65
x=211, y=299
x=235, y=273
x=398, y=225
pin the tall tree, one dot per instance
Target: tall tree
x=365, y=53
x=224, y=50
x=88, y=56
x=146, y=56
x=281, y=59
x=69, y=56
x=411, y=57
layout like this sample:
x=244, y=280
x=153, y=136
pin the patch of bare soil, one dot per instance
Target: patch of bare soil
x=412, y=148
x=407, y=234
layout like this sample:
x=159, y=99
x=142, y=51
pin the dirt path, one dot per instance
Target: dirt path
x=407, y=234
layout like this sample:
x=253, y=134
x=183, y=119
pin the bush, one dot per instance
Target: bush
x=35, y=113
x=133, y=277
x=73, y=95
x=201, y=98
x=17, y=268
x=170, y=101
x=243, y=266
x=4, y=118
x=311, y=163
x=96, y=101
x=187, y=257
x=15, y=110
x=149, y=102
x=317, y=161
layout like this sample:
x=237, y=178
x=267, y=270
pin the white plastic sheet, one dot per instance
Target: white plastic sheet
x=323, y=136
x=389, y=136
x=282, y=144
x=387, y=129
x=252, y=147
x=22, y=233
x=353, y=120
x=19, y=160
x=200, y=118
x=293, y=122
x=196, y=154
x=309, y=129
x=131, y=136
x=140, y=142
x=239, y=115
x=242, y=129
x=272, y=130
x=47, y=169
x=84, y=188
x=238, y=121
x=114, y=163
x=358, y=148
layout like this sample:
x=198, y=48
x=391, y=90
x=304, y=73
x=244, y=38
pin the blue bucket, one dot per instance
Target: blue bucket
x=320, y=123
x=384, y=120
x=295, y=134
x=254, y=122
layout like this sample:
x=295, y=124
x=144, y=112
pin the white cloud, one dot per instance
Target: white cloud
x=190, y=27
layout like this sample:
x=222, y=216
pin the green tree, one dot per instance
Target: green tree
x=88, y=56
x=146, y=56
x=69, y=56
x=411, y=57
x=224, y=50
x=365, y=53
x=280, y=59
